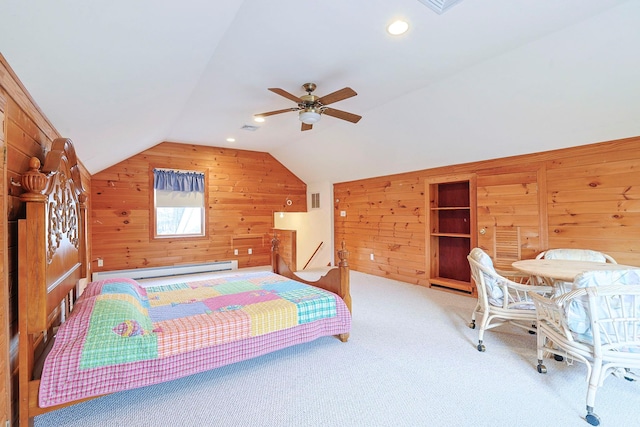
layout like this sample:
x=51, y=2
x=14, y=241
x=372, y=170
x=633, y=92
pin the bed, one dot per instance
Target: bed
x=121, y=334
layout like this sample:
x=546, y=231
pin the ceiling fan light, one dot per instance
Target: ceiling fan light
x=309, y=117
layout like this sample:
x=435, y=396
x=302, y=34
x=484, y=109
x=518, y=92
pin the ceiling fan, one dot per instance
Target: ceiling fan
x=311, y=107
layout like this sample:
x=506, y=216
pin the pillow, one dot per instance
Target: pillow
x=123, y=286
x=119, y=331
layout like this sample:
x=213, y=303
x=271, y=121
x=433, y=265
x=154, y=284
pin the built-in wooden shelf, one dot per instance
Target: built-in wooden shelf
x=451, y=224
x=464, y=236
x=450, y=208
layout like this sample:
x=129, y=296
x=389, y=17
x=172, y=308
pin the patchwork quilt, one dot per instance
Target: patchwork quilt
x=122, y=335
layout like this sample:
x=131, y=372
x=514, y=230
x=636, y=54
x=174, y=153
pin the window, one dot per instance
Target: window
x=179, y=202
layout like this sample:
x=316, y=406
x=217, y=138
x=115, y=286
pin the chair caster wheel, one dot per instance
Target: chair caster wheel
x=532, y=332
x=593, y=419
x=481, y=348
x=558, y=357
x=542, y=369
x=472, y=325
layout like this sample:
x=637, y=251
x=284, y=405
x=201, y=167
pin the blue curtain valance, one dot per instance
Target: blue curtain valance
x=178, y=181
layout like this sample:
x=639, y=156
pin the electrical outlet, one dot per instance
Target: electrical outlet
x=100, y=262
x=250, y=251
x=343, y=213
x=371, y=257
x=235, y=252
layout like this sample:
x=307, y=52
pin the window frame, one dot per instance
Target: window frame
x=152, y=203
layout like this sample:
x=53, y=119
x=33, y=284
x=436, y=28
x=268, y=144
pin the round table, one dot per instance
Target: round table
x=564, y=270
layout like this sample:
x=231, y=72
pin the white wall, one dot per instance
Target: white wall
x=312, y=227
x=576, y=86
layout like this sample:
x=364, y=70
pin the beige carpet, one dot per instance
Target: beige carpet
x=411, y=361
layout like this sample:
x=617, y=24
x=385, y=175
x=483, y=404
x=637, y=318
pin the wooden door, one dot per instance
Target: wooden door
x=511, y=214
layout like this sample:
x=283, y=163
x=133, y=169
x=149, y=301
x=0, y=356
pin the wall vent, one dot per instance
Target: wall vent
x=439, y=6
x=250, y=128
x=315, y=200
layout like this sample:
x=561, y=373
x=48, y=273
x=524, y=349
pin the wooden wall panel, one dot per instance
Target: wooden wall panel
x=5, y=355
x=508, y=201
x=27, y=133
x=384, y=217
x=244, y=189
x=23, y=140
x=596, y=199
x=580, y=197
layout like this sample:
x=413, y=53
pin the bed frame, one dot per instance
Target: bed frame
x=336, y=280
x=52, y=257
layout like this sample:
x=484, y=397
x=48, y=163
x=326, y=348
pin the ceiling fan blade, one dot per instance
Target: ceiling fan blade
x=306, y=127
x=286, y=94
x=339, y=114
x=336, y=96
x=271, y=113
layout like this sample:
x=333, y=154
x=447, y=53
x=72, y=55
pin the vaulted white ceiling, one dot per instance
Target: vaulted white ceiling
x=488, y=78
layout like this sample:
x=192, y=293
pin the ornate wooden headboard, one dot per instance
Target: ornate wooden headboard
x=52, y=236
x=51, y=254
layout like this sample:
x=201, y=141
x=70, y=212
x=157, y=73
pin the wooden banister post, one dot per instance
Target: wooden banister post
x=274, y=252
x=343, y=265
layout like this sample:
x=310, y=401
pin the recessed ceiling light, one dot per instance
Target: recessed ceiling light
x=231, y=140
x=258, y=119
x=398, y=27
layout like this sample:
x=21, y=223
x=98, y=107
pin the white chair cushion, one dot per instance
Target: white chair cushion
x=577, y=311
x=492, y=282
x=575, y=255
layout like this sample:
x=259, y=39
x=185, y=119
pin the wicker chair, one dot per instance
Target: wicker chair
x=598, y=323
x=500, y=300
x=576, y=254
x=573, y=255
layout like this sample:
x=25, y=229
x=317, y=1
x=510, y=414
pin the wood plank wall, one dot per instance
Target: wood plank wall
x=509, y=199
x=385, y=217
x=5, y=384
x=27, y=133
x=580, y=197
x=244, y=189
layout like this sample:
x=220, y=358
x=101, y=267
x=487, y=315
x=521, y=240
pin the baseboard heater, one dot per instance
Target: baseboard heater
x=172, y=270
